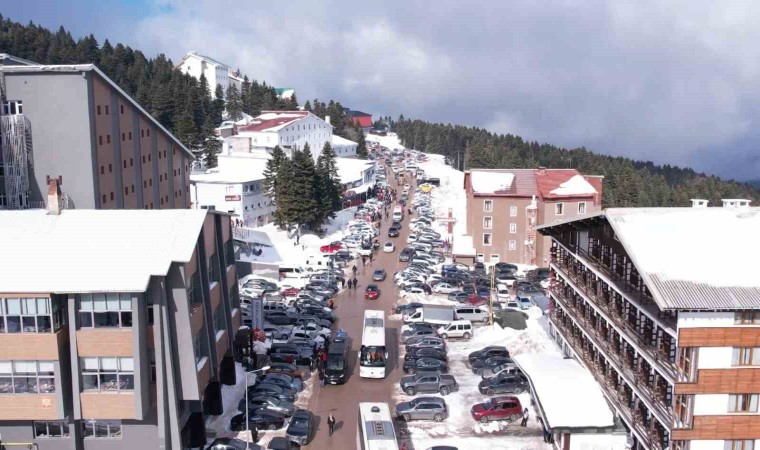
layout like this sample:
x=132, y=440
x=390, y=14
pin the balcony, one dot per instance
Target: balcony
x=613, y=313
x=623, y=365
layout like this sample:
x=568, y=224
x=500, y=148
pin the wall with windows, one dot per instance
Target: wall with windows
x=497, y=226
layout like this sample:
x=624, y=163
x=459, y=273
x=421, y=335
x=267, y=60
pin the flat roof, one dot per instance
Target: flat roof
x=233, y=169
x=69, y=68
x=690, y=258
x=352, y=169
x=561, y=386
x=85, y=251
x=338, y=140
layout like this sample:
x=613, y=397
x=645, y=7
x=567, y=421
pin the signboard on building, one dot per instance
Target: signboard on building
x=257, y=313
x=232, y=198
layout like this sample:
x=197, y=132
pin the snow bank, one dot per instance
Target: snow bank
x=488, y=182
x=449, y=195
x=577, y=185
x=390, y=141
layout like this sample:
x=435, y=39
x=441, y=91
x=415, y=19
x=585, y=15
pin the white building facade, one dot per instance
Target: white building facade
x=217, y=73
x=288, y=129
x=343, y=147
x=236, y=187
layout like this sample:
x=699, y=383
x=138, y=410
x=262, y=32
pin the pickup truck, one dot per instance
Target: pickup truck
x=429, y=382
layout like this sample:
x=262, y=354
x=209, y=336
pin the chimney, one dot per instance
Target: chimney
x=54, y=195
x=699, y=203
x=541, y=170
x=327, y=119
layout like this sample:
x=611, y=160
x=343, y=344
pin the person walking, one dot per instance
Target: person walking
x=354, y=270
x=370, y=258
x=342, y=283
x=525, y=417
x=355, y=282
x=330, y=424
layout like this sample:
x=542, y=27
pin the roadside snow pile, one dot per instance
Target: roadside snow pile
x=533, y=339
x=450, y=194
x=390, y=141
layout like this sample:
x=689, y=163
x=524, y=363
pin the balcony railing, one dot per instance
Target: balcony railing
x=652, y=435
x=618, y=360
x=663, y=360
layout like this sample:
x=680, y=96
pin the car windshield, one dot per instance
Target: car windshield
x=335, y=363
x=371, y=287
x=488, y=404
x=373, y=356
x=300, y=422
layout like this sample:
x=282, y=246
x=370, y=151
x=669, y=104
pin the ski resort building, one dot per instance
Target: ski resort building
x=662, y=305
x=504, y=207
x=288, y=129
x=217, y=73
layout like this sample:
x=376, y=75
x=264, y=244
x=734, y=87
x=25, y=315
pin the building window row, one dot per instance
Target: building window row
x=487, y=205
x=742, y=403
x=104, y=109
x=101, y=429
x=108, y=373
x=747, y=318
x=27, y=377
x=105, y=310
x=30, y=315
x=51, y=429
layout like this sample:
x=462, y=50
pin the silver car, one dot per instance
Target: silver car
x=423, y=408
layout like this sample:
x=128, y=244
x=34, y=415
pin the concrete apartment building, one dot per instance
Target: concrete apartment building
x=123, y=336
x=74, y=122
x=504, y=207
x=217, y=73
x=662, y=305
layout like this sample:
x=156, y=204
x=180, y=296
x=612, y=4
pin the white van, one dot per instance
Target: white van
x=472, y=313
x=292, y=271
x=456, y=329
x=317, y=262
x=398, y=214
x=502, y=293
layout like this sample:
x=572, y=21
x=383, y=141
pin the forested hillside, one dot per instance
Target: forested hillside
x=627, y=182
x=180, y=102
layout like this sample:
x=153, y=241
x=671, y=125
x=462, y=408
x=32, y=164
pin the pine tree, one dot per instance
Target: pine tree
x=307, y=106
x=303, y=203
x=330, y=188
x=185, y=129
x=284, y=192
x=361, y=148
x=272, y=170
x=234, y=104
x=217, y=105
x=211, y=143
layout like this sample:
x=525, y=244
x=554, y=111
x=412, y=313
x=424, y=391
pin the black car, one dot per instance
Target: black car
x=342, y=255
x=480, y=364
x=267, y=402
x=504, y=384
x=405, y=309
x=379, y=275
x=424, y=352
x=405, y=254
x=261, y=419
x=224, y=443
x=280, y=318
x=280, y=443
x=425, y=364
x=505, y=267
x=393, y=232
x=491, y=350
x=290, y=355
x=267, y=389
x=479, y=267
x=408, y=334
x=301, y=427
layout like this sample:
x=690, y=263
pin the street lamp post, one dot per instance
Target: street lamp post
x=247, y=423
x=490, y=314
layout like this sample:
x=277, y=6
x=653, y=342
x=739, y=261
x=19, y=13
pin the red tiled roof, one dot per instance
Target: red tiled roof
x=273, y=119
x=551, y=179
x=530, y=182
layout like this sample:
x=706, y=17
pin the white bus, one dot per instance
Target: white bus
x=375, y=430
x=372, y=353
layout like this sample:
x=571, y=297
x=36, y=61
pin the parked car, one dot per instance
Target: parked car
x=280, y=318
x=458, y=296
x=444, y=288
x=423, y=364
x=425, y=352
x=485, y=352
x=417, y=332
x=505, y=368
x=423, y=408
x=372, y=292
x=497, y=408
x=456, y=329
x=408, y=308
x=388, y=247
x=282, y=393
x=524, y=302
x=231, y=444
x=267, y=402
x=425, y=341
x=504, y=384
x=291, y=355
x=280, y=443
x=282, y=380
x=281, y=332
x=260, y=419
x=301, y=427
x=480, y=364
x=379, y=275
x=405, y=254
x=289, y=369
x=394, y=231
x=331, y=247
x=429, y=382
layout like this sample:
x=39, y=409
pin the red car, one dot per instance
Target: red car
x=372, y=292
x=497, y=408
x=331, y=247
x=290, y=292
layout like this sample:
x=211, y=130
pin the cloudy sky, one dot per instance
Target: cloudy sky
x=671, y=81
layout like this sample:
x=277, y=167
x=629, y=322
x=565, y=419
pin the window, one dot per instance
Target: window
x=107, y=112
x=487, y=205
x=581, y=207
x=107, y=373
x=559, y=209
x=126, y=190
x=495, y=258
x=27, y=377
x=219, y=323
x=487, y=223
x=130, y=136
x=100, y=140
x=50, y=429
x=746, y=356
x=111, y=196
x=93, y=429
x=123, y=136
x=148, y=131
x=513, y=211
x=124, y=163
x=25, y=315
x=742, y=403
x=110, y=168
x=487, y=238
x=213, y=269
x=746, y=444
x=513, y=228
x=194, y=291
x=121, y=107
x=105, y=310
x=105, y=199
x=229, y=252
x=512, y=245
x=152, y=361
x=142, y=133
x=98, y=109
x=747, y=318
x=682, y=410
x=686, y=361
x=108, y=139
x=679, y=445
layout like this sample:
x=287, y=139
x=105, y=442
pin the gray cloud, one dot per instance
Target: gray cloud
x=672, y=81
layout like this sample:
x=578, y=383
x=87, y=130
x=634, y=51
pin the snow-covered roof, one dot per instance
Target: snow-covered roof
x=463, y=246
x=488, y=182
x=577, y=185
x=338, y=140
x=690, y=258
x=85, y=250
x=273, y=121
x=194, y=54
x=352, y=169
x=234, y=168
x=560, y=385
x=94, y=68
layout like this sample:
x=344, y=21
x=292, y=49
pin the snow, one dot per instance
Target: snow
x=390, y=141
x=488, y=182
x=560, y=385
x=449, y=196
x=597, y=441
x=351, y=170
x=577, y=185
